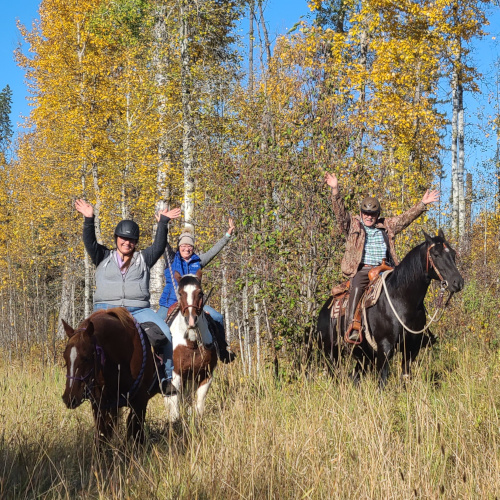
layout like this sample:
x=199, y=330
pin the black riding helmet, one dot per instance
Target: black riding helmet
x=370, y=206
x=127, y=229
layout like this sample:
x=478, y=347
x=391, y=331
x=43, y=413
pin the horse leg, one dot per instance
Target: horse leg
x=359, y=369
x=384, y=352
x=172, y=400
x=105, y=422
x=135, y=420
x=412, y=345
x=201, y=395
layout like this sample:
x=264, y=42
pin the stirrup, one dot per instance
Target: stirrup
x=353, y=335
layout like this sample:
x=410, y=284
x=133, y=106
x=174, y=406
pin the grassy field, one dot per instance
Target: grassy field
x=305, y=437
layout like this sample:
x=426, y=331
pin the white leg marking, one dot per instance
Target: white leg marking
x=201, y=396
x=172, y=402
x=72, y=357
x=172, y=406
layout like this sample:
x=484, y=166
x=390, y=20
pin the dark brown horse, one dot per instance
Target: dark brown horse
x=195, y=355
x=109, y=362
x=399, y=316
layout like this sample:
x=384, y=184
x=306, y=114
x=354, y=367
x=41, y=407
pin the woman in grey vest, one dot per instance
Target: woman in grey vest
x=122, y=275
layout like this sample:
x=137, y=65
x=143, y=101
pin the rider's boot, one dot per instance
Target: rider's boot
x=164, y=369
x=353, y=320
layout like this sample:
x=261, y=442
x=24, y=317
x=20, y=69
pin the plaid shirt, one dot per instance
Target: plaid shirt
x=375, y=248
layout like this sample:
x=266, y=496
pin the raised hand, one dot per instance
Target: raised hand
x=331, y=180
x=171, y=214
x=430, y=197
x=86, y=209
x=232, y=227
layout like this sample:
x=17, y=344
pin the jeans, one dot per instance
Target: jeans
x=145, y=315
x=215, y=315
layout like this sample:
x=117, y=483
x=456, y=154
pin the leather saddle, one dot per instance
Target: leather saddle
x=340, y=293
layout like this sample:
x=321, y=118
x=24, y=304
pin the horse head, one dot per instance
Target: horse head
x=441, y=262
x=81, y=360
x=190, y=297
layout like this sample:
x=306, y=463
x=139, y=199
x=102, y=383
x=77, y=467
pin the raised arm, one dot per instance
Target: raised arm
x=343, y=217
x=155, y=251
x=96, y=251
x=402, y=221
x=206, y=258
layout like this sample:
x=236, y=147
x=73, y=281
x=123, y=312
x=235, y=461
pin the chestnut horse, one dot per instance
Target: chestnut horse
x=399, y=315
x=110, y=363
x=195, y=355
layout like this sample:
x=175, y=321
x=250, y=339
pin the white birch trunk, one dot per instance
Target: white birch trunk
x=266, y=34
x=242, y=349
x=66, y=300
x=88, y=299
x=187, y=126
x=461, y=161
x=256, y=308
x=454, y=157
x=225, y=304
x=160, y=65
x=246, y=329
x=250, y=47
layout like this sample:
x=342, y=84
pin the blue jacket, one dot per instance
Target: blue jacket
x=183, y=267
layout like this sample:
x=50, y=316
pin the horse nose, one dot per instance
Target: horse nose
x=458, y=284
x=69, y=401
x=193, y=318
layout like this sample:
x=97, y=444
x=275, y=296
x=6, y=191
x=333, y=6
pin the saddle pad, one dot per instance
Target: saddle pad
x=374, y=289
x=338, y=305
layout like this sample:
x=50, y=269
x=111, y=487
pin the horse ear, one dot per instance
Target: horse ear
x=68, y=329
x=441, y=234
x=177, y=276
x=427, y=237
x=89, y=330
x=199, y=274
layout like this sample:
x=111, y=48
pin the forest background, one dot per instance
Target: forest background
x=139, y=104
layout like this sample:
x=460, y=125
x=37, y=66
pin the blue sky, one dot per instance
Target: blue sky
x=282, y=15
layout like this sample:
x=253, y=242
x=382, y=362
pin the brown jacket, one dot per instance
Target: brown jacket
x=352, y=227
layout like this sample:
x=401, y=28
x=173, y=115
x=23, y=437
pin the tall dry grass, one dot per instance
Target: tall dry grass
x=304, y=437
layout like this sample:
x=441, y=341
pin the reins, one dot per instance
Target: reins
x=444, y=287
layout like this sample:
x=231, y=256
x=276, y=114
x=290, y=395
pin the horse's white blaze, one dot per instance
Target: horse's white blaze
x=72, y=358
x=190, y=289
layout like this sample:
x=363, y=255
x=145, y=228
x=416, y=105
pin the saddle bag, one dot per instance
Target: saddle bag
x=155, y=336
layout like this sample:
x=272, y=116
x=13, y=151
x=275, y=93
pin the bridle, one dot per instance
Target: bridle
x=100, y=361
x=429, y=260
x=89, y=378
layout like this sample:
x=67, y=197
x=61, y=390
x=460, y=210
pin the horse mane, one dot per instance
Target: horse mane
x=411, y=267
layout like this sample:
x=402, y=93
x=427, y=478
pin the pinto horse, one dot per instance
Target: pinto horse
x=195, y=355
x=109, y=362
x=399, y=309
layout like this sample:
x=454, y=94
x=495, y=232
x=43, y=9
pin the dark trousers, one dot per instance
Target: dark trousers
x=358, y=284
